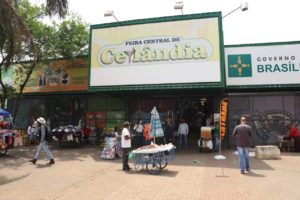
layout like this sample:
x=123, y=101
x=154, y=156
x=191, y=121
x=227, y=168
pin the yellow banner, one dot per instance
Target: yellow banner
x=223, y=117
x=59, y=76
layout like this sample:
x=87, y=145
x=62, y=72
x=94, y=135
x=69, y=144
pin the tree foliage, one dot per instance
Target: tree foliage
x=26, y=39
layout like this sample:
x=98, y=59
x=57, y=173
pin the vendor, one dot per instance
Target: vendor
x=293, y=131
x=294, y=134
x=146, y=133
x=126, y=145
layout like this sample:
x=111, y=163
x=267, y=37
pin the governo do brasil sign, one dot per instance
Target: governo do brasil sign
x=263, y=65
x=175, y=50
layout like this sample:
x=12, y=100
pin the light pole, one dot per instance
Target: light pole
x=243, y=7
x=109, y=14
x=179, y=6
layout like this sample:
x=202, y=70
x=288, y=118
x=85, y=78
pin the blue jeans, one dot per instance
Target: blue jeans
x=215, y=143
x=182, y=138
x=244, y=157
x=43, y=145
x=140, y=139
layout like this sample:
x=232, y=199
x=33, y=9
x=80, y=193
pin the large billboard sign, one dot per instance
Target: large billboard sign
x=169, y=50
x=57, y=76
x=263, y=65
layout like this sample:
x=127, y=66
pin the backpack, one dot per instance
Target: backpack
x=48, y=135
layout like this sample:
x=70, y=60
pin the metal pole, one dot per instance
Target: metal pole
x=115, y=18
x=231, y=11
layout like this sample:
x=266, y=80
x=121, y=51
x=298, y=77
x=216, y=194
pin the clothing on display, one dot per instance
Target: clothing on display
x=111, y=148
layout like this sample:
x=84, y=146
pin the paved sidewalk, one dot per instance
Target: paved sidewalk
x=79, y=174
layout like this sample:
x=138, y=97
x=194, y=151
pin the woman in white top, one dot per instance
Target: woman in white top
x=139, y=130
x=126, y=145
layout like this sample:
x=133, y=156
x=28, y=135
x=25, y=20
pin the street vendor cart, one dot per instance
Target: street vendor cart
x=153, y=157
x=6, y=134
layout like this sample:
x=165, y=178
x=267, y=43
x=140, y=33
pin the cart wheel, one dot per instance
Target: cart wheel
x=163, y=165
x=160, y=160
x=3, y=151
x=153, y=168
x=137, y=166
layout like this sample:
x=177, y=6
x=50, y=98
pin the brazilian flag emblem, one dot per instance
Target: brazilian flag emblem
x=239, y=65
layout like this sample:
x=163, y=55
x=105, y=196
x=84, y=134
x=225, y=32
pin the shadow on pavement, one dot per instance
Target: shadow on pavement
x=5, y=180
x=190, y=157
x=163, y=172
x=252, y=174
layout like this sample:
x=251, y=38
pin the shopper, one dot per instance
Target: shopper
x=294, y=134
x=30, y=134
x=183, y=131
x=168, y=129
x=216, y=137
x=243, y=135
x=86, y=133
x=126, y=145
x=43, y=135
x=34, y=130
x=293, y=131
x=139, y=130
x=116, y=132
x=146, y=133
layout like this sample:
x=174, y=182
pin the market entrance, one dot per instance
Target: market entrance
x=193, y=109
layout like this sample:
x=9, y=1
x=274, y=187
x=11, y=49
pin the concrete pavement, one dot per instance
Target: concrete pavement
x=80, y=174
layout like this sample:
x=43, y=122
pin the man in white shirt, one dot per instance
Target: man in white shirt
x=126, y=145
x=34, y=130
x=183, y=131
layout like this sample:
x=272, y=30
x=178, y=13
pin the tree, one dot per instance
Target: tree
x=15, y=36
x=64, y=40
x=72, y=37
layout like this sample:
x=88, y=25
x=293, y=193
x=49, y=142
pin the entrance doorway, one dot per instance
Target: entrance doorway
x=194, y=109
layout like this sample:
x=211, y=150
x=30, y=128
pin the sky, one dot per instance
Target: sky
x=265, y=20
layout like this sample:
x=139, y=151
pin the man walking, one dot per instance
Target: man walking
x=183, y=131
x=243, y=135
x=126, y=145
x=43, y=142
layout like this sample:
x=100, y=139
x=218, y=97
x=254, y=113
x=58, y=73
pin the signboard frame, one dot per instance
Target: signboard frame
x=162, y=86
x=267, y=86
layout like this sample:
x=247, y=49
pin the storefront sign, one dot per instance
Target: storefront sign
x=57, y=76
x=95, y=119
x=223, y=117
x=263, y=65
x=161, y=51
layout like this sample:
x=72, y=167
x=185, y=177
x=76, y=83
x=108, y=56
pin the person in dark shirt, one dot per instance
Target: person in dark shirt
x=243, y=135
x=168, y=129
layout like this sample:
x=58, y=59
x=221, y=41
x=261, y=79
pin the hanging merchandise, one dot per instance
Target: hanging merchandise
x=112, y=148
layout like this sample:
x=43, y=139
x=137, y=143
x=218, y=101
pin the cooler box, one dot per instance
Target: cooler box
x=205, y=132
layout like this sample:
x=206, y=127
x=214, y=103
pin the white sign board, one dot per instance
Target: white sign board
x=262, y=65
x=183, y=51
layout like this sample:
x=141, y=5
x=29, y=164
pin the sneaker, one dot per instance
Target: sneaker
x=248, y=170
x=51, y=162
x=126, y=169
x=242, y=172
x=33, y=161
